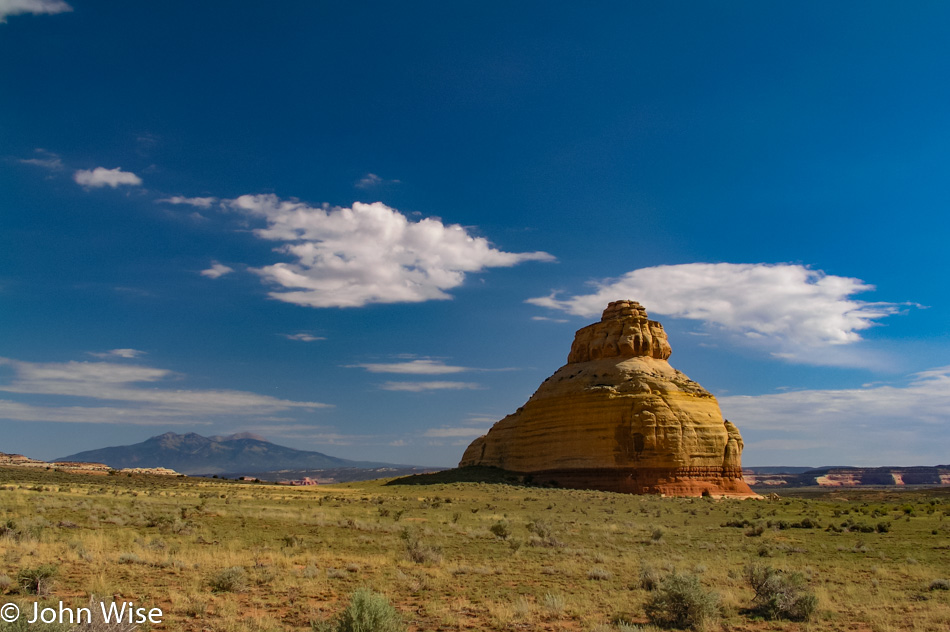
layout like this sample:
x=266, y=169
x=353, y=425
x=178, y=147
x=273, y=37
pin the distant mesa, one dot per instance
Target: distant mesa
x=243, y=454
x=192, y=453
x=618, y=417
x=79, y=467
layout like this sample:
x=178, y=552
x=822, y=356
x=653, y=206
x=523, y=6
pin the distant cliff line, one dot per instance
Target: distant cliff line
x=840, y=476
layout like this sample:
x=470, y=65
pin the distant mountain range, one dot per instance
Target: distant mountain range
x=236, y=454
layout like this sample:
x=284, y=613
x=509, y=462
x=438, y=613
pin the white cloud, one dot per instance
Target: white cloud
x=119, y=353
x=126, y=416
x=369, y=253
x=782, y=306
x=303, y=337
x=414, y=367
x=445, y=432
x=200, y=202
x=549, y=320
x=102, y=177
x=417, y=387
x=44, y=159
x=371, y=180
x=136, y=390
x=884, y=425
x=316, y=435
x=217, y=270
x=38, y=7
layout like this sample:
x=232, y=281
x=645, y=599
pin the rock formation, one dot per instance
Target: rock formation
x=618, y=417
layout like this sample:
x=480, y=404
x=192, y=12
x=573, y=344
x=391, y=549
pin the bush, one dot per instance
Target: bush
x=419, y=552
x=940, y=584
x=540, y=528
x=501, y=530
x=649, y=578
x=755, y=531
x=680, y=601
x=598, y=574
x=369, y=612
x=553, y=603
x=780, y=595
x=232, y=579
x=36, y=581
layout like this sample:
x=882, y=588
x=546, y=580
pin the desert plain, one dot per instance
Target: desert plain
x=464, y=550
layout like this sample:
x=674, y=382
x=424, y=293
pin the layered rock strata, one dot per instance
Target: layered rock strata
x=618, y=417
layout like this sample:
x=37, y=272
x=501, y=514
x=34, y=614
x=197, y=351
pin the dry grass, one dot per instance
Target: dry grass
x=564, y=560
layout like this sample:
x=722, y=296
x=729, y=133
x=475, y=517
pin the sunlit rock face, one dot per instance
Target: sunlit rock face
x=618, y=417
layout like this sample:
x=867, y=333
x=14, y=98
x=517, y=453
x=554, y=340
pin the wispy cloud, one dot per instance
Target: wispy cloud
x=200, y=202
x=788, y=309
x=303, y=337
x=36, y=7
x=102, y=177
x=416, y=387
x=883, y=425
x=549, y=320
x=217, y=270
x=414, y=367
x=311, y=434
x=369, y=253
x=371, y=180
x=136, y=393
x=44, y=159
x=448, y=432
x=118, y=353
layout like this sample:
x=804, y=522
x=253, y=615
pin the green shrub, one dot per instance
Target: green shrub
x=418, y=551
x=501, y=530
x=649, y=578
x=780, y=595
x=369, y=611
x=681, y=602
x=598, y=574
x=232, y=579
x=940, y=584
x=36, y=581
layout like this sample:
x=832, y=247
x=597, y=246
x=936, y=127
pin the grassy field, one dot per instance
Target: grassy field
x=456, y=554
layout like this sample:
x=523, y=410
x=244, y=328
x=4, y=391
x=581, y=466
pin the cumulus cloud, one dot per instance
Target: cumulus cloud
x=102, y=177
x=416, y=367
x=119, y=353
x=907, y=424
x=417, y=387
x=785, y=306
x=200, y=202
x=136, y=393
x=369, y=253
x=37, y=7
x=303, y=337
x=217, y=270
x=44, y=159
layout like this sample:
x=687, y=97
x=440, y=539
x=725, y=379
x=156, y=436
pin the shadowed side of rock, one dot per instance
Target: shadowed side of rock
x=618, y=417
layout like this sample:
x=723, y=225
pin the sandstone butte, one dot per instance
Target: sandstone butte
x=618, y=417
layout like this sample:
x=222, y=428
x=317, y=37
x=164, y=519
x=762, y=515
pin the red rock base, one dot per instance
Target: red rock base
x=694, y=481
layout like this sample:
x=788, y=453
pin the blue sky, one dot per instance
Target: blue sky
x=372, y=230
